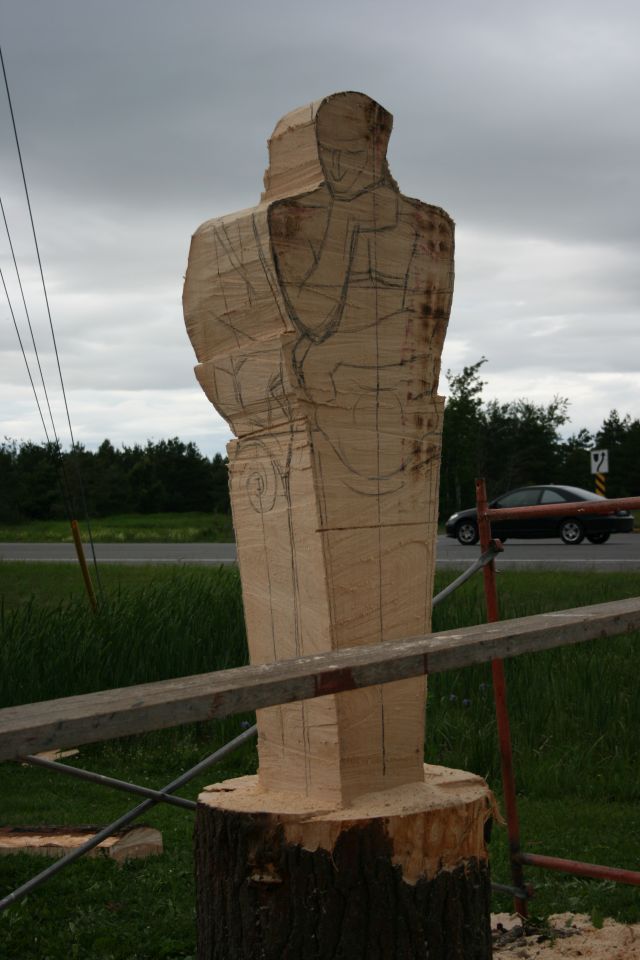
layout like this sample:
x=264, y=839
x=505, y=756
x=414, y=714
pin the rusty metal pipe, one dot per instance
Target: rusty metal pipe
x=502, y=710
x=572, y=507
x=580, y=869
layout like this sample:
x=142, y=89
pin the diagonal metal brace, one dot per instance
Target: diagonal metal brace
x=126, y=818
x=104, y=781
x=495, y=547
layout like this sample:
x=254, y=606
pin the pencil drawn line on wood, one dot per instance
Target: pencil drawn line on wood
x=318, y=319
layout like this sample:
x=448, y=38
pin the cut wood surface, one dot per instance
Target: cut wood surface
x=55, y=755
x=130, y=843
x=435, y=823
x=318, y=319
x=400, y=874
x=153, y=706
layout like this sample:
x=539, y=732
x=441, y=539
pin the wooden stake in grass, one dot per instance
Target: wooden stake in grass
x=318, y=319
x=82, y=560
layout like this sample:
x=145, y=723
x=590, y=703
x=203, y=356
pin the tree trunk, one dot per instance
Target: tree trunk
x=400, y=875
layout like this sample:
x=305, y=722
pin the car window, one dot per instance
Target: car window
x=520, y=498
x=552, y=496
x=577, y=493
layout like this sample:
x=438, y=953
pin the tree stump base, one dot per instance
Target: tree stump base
x=397, y=875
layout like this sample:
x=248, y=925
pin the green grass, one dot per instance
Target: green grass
x=185, y=622
x=575, y=716
x=128, y=528
x=592, y=831
x=138, y=528
x=95, y=909
x=51, y=584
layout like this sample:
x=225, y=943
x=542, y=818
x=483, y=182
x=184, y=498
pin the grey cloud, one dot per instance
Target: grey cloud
x=139, y=121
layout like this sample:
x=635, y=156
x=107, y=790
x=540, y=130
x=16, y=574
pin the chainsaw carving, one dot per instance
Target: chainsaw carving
x=318, y=319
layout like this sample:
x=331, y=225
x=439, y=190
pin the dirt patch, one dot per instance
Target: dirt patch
x=566, y=935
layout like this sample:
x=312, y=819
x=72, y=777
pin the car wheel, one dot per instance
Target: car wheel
x=571, y=531
x=467, y=532
x=598, y=537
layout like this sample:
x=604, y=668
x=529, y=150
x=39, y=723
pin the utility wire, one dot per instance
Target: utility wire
x=33, y=341
x=53, y=336
x=24, y=357
x=35, y=241
x=62, y=478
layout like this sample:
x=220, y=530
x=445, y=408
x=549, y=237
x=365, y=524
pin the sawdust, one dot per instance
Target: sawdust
x=567, y=936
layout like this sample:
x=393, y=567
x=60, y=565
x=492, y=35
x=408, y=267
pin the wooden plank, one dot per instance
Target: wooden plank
x=152, y=706
x=131, y=843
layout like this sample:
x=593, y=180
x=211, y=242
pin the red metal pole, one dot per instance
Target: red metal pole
x=500, y=697
x=581, y=869
x=575, y=508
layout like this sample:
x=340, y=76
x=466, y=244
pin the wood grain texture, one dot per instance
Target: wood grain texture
x=318, y=319
x=401, y=874
x=434, y=823
x=131, y=843
x=56, y=724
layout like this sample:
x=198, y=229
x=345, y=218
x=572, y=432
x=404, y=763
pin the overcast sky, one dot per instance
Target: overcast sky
x=138, y=120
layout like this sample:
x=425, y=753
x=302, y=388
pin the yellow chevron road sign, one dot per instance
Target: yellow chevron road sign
x=600, y=466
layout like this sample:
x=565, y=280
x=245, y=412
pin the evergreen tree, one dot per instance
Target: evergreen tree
x=575, y=468
x=621, y=437
x=521, y=444
x=461, y=438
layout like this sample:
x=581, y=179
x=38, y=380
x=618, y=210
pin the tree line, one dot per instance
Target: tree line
x=39, y=481
x=518, y=443
x=510, y=444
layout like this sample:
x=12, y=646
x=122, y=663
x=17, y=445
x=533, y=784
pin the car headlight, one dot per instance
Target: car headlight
x=453, y=517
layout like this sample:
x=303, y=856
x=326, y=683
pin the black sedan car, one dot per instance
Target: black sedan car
x=570, y=529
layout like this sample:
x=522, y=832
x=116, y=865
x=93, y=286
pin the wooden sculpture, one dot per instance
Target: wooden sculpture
x=318, y=320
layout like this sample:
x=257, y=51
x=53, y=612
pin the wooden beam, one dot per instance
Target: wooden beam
x=153, y=706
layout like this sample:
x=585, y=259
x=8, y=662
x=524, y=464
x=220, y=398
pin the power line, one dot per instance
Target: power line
x=33, y=341
x=24, y=356
x=53, y=336
x=62, y=477
x=37, y=248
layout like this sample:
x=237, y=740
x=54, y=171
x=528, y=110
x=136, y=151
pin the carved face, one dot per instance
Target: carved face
x=353, y=132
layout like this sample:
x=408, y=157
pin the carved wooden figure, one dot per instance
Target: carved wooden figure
x=318, y=319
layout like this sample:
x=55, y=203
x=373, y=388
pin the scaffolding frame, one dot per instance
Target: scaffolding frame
x=349, y=669
x=517, y=856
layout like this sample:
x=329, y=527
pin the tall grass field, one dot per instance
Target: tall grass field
x=127, y=528
x=575, y=719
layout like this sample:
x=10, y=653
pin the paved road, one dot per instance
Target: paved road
x=192, y=553
x=620, y=553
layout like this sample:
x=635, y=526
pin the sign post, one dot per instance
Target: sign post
x=600, y=466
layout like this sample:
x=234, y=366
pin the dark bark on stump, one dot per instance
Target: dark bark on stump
x=259, y=898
